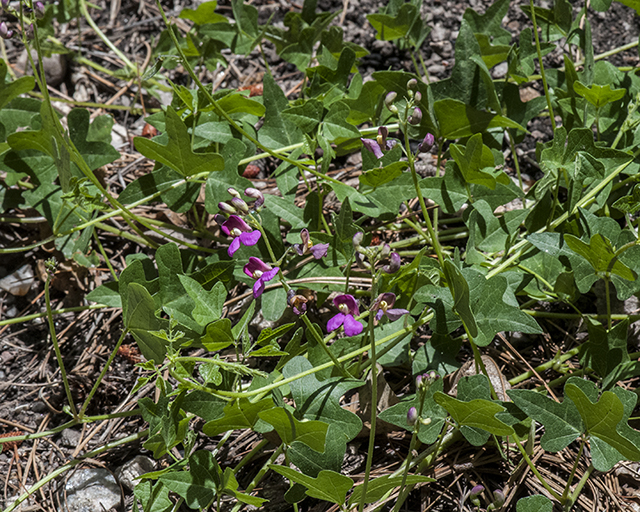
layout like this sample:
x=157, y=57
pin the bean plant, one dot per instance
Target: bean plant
x=438, y=252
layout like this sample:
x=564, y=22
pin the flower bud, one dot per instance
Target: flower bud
x=390, y=98
x=475, y=493
x=426, y=143
x=254, y=193
x=498, y=498
x=394, y=264
x=416, y=117
x=412, y=84
x=5, y=4
x=419, y=381
x=233, y=192
x=418, y=97
x=31, y=32
x=226, y=208
x=38, y=8
x=385, y=251
x=5, y=33
x=361, y=262
x=412, y=416
x=357, y=239
x=240, y=204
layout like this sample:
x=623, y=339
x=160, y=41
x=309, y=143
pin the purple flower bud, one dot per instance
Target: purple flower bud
x=357, y=239
x=31, y=32
x=5, y=33
x=239, y=204
x=412, y=416
x=394, y=264
x=412, y=84
x=232, y=191
x=390, y=98
x=426, y=143
x=418, y=381
x=254, y=193
x=38, y=8
x=418, y=97
x=361, y=262
x=385, y=250
x=297, y=302
x=498, y=498
x=416, y=117
x=5, y=4
x=475, y=492
x=226, y=208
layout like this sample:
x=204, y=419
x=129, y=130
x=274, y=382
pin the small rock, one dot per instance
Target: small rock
x=129, y=471
x=436, y=69
x=70, y=438
x=55, y=67
x=439, y=33
x=19, y=282
x=500, y=70
x=89, y=490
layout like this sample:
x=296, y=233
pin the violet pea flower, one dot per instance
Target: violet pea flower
x=297, y=302
x=380, y=143
x=318, y=250
x=241, y=232
x=261, y=272
x=426, y=143
x=348, y=307
x=384, y=307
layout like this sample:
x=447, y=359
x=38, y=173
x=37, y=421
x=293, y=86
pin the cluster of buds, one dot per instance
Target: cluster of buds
x=498, y=498
x=37, y=13
x=423, y=383
x=375, y=253
x=238, y=206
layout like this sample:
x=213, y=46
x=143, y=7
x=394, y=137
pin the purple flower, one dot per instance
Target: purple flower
x=380, y=144
x=348, y=307
x=240, y=231
x=318, y=250
x=384, y=304
x=261, y=272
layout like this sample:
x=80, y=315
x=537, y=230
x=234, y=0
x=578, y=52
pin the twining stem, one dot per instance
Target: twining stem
x=542, y=73
x=374, y=393
x=103, y=373
x=574, y=468
x=54, y=339
x=535, y=470
x=311, y=330
x=261, y=473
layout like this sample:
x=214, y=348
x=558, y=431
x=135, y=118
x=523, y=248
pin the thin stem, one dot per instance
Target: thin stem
x=542, y=73
x=608, y=300
x=535, y=470
x=260, y=475
x=56, y=347
x=320, y=341
x=574, y=468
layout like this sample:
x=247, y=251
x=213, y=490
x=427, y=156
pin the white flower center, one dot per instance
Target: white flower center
x=344, y=309
x=257, y=274
x=383, y=305
x=235, y=232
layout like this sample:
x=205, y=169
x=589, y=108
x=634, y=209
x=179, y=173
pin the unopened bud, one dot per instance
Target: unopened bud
x=31, y=32
x=240, y=204
x=5, y=33
x=357, y=239
x=426, y=143
x=418, y=97
x=412, y=84
x=419, y=380
x=390, y=98
x=385, y=251
x=254, y=193
x=233, y=192
x=5, y=4
x=416, y=117
x=227, y=208
x=394, y=263
x=361, y=262
x=498, y=498
x=412, y=416
x=38, y=8
x=475, y=492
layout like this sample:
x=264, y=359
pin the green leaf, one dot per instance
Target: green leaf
x=208, y=303
x=142, y=322
x=205, y=13
x=11, y=90
x=328, y=485
x=306, y=116
x=490, y=233
x=561, y=421
x=200, y=484
x=605, y=349
x=274, y=304
x=629, y=204
x=285, y=208
x=600, y=254
x=477, y=164
x=382, y=175
x=599, y=95
x=178, y=153
x=218, y=182
x=335, y=126
x=218, y=335
x=602, y=418
x=458, y=120
x=268, y=335
x=278, y=130
x=460, y=291
x=389, y=28
x=310, y=432
x=537, y=503
x=238, y=414
x=476, y=413
x=207, y=406
x=378, y=487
